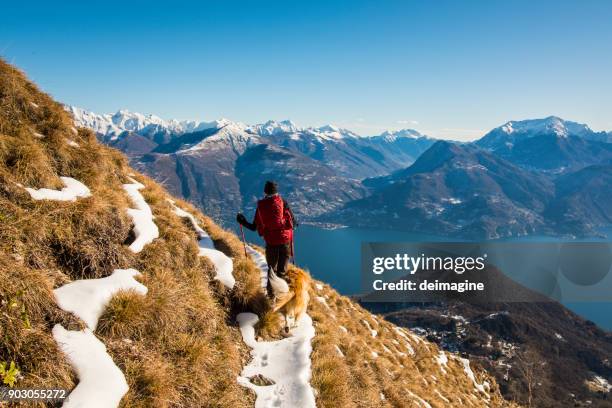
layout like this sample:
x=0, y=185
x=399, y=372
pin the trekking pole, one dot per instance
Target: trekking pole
x=243, y=241
x=293, y=250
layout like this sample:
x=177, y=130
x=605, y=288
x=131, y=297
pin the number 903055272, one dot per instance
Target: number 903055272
x=32, y=394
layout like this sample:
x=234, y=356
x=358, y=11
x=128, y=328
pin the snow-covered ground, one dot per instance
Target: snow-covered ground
x=145, y=229
x=87, y=298
x=74, y=189
x=286, y=362
x=101, y=382
x=442, y=361
x=261, y=263
x=224, y=266
x=484, y=387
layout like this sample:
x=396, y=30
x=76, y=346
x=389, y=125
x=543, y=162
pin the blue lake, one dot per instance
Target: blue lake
x=334, y=256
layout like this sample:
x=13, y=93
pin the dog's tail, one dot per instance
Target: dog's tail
x=279, y=285
x=282, y=300
x=300, y=279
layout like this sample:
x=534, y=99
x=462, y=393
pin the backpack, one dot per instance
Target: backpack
x=274, y=221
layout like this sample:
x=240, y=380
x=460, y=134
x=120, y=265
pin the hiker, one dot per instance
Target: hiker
x=273, y=221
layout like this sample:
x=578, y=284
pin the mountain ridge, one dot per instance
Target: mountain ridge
x=550, y=144
x=111, y=125
x=203, y=166
x=454, y=189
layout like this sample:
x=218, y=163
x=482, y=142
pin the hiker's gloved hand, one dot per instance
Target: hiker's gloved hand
x=241, y=219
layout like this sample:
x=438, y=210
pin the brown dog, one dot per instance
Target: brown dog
x=293, y=304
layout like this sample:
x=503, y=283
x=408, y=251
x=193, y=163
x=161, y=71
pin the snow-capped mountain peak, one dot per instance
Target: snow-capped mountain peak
x=551, y=124
x=134, y=121
x=272, y=127
x=111, y=126
x=508, y=134
x=331, y=132
x=392, y=135
x=235, y=134
x=101, y=124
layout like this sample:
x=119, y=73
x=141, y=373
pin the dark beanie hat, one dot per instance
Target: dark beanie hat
x=270, y=188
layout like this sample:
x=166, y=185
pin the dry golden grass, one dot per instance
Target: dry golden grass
x=403, y=369
x=175, y=344
x=178, y=345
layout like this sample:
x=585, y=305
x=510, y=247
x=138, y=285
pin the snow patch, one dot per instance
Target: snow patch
x=74, y=189
x=101, y=383
x=278, y=284
x=87, y=298
x=373, y=332
x=599, y=383
x=202, y=235
x=145, y=229
x=442, y=360
x=322, y=300
x=420, y=400
x=224, y=266
x=414, y=337
x=286, y=362
x=494, y=315
x=484, y=387
x=442, y=397
x=260, y=262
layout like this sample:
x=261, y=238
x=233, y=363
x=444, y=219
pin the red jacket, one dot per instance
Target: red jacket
x=274, y=220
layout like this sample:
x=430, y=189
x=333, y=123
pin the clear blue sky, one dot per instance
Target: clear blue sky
x=449, y=68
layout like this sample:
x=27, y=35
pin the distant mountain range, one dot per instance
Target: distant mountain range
x=546, y=176
x=221, y=166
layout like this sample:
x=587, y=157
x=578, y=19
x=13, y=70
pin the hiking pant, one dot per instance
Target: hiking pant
x=277, y=257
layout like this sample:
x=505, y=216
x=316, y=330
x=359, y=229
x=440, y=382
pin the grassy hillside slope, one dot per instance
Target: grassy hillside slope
x=178, y=346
